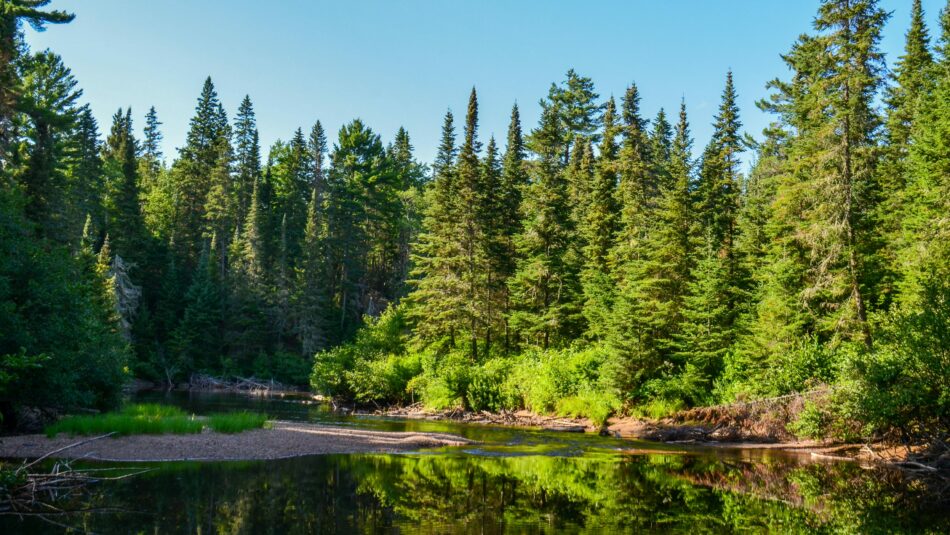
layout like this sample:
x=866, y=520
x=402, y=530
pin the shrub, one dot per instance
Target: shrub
x=597, y=406
x=386, y=379
x=379, y=339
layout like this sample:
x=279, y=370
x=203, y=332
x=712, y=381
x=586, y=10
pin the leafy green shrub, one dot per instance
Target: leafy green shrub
x=597, y=406
x=386, y=379
x=903, y=383
x=379, y=339
x=445, y=380
x=489, y=388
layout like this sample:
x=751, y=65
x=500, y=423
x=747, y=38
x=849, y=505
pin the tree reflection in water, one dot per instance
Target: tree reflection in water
x=455, y=492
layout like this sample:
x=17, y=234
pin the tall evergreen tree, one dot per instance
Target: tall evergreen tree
x=125, y=215
x=912, y=77
x=544, y=288
x=15, y=13
x=578, y=110
x=437, y=295
x=247, y=155
x=598, y=227
x=514, y=180
x=197, y=160
x=830, y=184
x=311, y=299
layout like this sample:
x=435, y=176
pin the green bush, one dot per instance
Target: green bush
x=597, y=406
x=490, y=389
x=903, y=383
x=385, y=380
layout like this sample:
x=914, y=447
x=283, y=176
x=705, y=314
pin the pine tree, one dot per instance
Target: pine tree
x=719, y=181
x=15, y=12
x=86, y=185
x=636, y=323
x=923, y=254
x=493, y=246
x=197, y=338
x=219, y=207
x=317, y=147
x=191, y=172
x=579, y=113
x=471, y=234
x=48, y=97
x=125, y=215
x=291, y=169
x=703, y=338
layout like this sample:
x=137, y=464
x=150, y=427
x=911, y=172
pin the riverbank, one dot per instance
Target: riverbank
x=758, y=425
x=282, y=440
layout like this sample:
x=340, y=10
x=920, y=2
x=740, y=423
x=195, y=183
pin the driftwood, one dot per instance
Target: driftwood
x=41, y=494
x=248, y=385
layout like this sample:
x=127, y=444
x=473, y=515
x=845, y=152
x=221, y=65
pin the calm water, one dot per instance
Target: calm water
x=519, y=481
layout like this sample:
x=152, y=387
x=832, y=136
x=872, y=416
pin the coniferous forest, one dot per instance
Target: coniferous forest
x=600, y=262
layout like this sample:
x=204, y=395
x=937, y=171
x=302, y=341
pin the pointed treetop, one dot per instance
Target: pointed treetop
x=445, y=158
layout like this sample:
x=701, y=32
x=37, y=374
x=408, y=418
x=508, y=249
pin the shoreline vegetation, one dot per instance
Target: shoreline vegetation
x=154, y=419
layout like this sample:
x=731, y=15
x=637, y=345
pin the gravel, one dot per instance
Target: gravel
x=284, y=439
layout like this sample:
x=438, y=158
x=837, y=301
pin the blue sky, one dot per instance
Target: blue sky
x=395, y=63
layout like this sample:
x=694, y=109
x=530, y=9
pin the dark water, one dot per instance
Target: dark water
x=518, y=481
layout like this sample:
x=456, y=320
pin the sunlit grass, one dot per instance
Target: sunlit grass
x=235, y=422
x=154, y=419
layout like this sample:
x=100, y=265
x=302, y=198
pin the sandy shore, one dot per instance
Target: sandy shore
x=284, y=439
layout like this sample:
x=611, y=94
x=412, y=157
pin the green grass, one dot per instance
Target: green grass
x=235, y=422
x=154, y=419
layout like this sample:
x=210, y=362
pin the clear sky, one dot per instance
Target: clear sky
x=395, y=63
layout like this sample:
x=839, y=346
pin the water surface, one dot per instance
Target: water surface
x=514, y=480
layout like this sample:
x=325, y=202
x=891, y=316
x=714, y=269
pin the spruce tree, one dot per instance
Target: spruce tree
x=125, y=215
x=310, y=301
x=437, y=295
x=247, y=156
x=598, y=228
x=191, y=172
x=579, y=112
x=638, y=318
x=912, y=77
x=830, y=188
x=544, y=289
x=514, y=180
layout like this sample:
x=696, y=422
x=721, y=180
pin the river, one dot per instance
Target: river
x=513, y=481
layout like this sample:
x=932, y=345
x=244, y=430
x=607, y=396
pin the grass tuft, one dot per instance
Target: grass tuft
x=154, y=419
x=235, y=422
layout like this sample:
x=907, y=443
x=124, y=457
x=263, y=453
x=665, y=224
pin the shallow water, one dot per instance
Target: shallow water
x=514, y=480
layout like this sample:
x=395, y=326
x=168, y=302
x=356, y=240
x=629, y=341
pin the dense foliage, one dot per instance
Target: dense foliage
x=589, y=266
